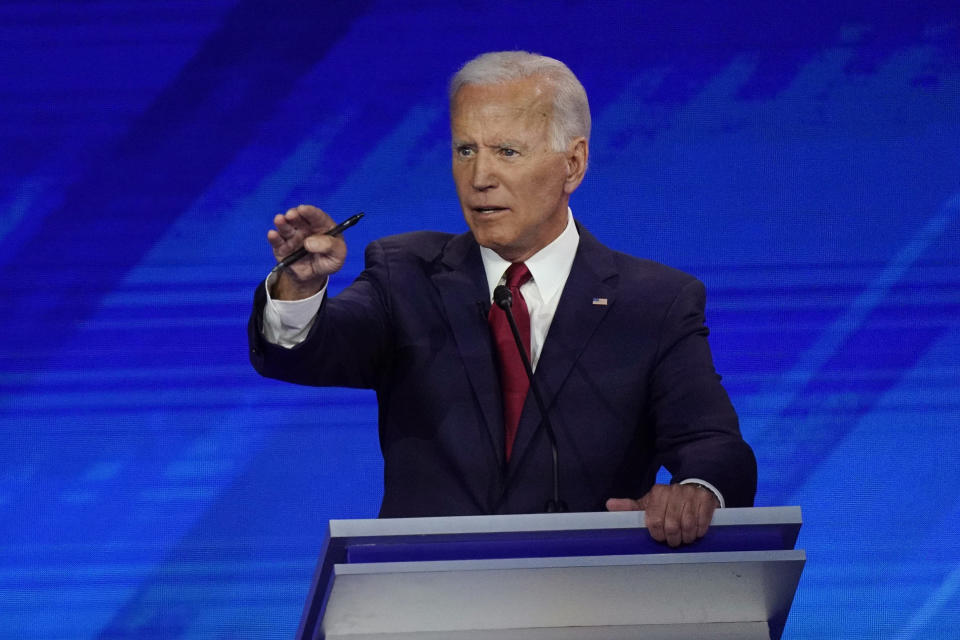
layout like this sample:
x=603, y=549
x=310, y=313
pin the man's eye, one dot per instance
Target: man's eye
x=506, y=151
x=464, y=152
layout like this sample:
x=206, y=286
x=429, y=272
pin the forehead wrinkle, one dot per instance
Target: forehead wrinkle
x=501, y=129
x=536, y=103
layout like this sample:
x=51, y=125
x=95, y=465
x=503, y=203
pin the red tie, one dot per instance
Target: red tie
x=513, y=377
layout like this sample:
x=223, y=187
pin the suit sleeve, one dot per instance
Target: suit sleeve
x=347, y=346
x=697, y=430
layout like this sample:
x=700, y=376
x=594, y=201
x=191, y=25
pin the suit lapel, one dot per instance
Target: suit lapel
x=462, y=285
x=592, y=276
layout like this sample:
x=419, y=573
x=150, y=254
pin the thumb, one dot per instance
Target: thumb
x=623, y=504
x=322, y=243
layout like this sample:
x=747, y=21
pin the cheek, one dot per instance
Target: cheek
x=544, y=185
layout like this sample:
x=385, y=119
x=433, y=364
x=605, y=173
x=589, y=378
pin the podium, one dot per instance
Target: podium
x=565, y=576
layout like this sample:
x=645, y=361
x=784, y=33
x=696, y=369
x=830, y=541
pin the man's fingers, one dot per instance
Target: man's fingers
x=296, y=225
x=284, y=226
x=274, y=238
x=317, y=219
x=705, y=513
x=654, y=508
x=688, y=522
x=676, y=514
x=308, y=219
x=304, y=219
x=655, y=512
x=673, y=513
x=305, y=226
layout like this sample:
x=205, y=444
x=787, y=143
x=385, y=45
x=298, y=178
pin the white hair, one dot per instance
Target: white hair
x=571, y=111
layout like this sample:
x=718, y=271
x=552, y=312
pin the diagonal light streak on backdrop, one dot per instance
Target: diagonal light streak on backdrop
x=789, y=385
x=941, y=596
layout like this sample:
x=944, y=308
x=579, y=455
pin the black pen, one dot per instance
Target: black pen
x=302, y=251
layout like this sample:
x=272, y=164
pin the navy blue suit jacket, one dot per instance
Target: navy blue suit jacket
x=626, y=373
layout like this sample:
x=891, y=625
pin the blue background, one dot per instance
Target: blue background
x=803, y=159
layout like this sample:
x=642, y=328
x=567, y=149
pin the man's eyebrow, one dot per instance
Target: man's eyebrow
x=499, y=144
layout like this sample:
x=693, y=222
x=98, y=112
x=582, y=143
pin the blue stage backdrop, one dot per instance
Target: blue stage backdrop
x=803, y=159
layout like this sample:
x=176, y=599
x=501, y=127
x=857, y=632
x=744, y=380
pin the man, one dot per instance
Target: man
x=618, y=343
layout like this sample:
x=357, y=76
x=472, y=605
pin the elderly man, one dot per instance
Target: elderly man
x=618, y=343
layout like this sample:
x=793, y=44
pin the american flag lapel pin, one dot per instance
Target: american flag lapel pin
x=600, y=302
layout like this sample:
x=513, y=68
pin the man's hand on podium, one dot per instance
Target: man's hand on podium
x=675, y=513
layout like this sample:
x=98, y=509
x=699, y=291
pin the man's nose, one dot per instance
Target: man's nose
x=484, y=174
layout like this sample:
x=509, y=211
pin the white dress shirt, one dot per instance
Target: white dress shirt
x=549, y=269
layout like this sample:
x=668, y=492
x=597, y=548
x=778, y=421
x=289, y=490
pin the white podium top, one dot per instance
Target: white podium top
x=535, y=522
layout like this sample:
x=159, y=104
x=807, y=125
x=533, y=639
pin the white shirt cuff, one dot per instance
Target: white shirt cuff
x=706, y=485
x=287, y=322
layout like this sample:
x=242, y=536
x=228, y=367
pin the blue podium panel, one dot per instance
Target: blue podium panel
x=627, y=535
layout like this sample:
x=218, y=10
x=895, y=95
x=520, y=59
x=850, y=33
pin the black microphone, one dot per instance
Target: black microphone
x=504, y=299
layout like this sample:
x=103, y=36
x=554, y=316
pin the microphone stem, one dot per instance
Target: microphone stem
x=557, y=504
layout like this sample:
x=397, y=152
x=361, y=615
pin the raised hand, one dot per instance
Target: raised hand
x=305, y=226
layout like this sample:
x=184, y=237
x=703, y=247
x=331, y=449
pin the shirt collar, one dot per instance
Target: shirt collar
x=549, y=267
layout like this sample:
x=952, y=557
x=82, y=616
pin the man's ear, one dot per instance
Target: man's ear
x=577, y=155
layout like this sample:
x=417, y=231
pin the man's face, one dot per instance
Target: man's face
x=513, y=188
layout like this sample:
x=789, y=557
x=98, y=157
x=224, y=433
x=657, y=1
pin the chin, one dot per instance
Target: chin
x=488, y=242
x=485, y=234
